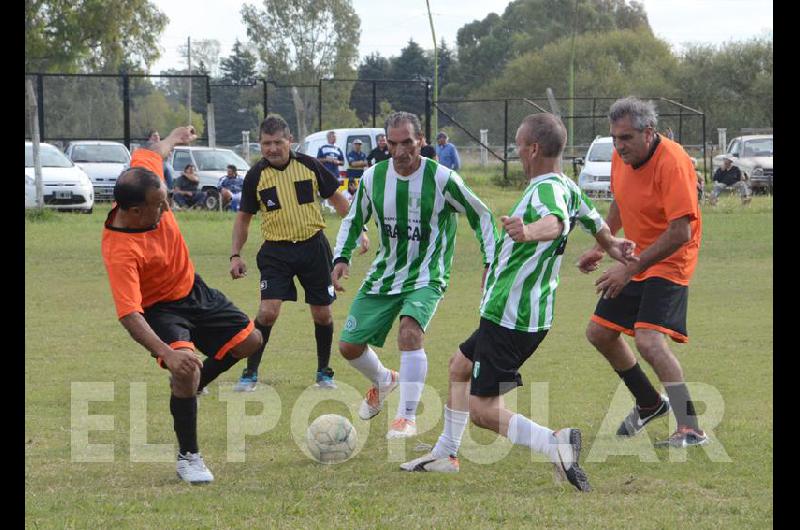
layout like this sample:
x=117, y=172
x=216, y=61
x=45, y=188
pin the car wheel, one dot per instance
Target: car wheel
x=211, y=202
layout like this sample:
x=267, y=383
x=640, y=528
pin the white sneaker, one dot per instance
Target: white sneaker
x=565, y=464
x=402, y=428
x=429, y=463
x=192, y=469
x=373, y=401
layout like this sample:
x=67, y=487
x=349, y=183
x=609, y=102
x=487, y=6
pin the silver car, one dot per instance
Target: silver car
x=102, y=161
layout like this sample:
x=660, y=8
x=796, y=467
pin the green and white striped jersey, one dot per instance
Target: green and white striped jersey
x=521, y=283
x=417, y=221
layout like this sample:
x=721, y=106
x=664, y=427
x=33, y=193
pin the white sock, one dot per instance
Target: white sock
x=455, y=421
x=369, y=365
x=413, y=369
x=522, y=431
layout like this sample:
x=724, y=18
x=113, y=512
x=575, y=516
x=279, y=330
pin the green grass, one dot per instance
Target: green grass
x=72, y=336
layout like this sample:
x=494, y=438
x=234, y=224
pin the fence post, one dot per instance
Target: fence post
x=126, y=109
x=374, y=103
x=505, y=142
x=428, y=111
x=266, y=98
x=40, y=99
x=319, y=100
x=37, y=163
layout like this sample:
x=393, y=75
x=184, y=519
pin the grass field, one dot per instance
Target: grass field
x=72, y=336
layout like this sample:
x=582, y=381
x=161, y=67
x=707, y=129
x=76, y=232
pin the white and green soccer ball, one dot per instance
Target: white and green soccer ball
x=331, y=439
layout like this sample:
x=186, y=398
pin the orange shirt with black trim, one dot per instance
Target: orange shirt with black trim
x=150, y=265
x=661, y=190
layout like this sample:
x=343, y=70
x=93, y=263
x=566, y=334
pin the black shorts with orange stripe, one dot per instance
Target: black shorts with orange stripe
x=204, y=320
x=654, y=303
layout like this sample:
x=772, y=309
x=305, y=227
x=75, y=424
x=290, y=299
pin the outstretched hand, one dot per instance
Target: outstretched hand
x=340, y=270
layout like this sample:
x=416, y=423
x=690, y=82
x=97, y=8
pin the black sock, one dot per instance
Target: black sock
x=640, y=386
x=212, y=368
x=254, y=361
x=682, y=405
x=184, y=416
x=324, y=336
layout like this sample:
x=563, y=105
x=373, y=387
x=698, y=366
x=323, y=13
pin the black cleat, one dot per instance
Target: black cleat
x=569, y=451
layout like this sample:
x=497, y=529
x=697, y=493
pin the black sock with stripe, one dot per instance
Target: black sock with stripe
x=184, y=417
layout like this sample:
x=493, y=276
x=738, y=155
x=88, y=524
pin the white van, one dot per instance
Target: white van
x=344, y=141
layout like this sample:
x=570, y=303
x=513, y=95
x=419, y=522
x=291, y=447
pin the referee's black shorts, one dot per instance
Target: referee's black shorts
x=497, y=353
x=203, y=320
x=654, y=303
x=310, y=260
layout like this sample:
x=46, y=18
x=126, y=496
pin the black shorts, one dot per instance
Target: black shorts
x=203, y=320
x=497, y=354
x=310, y=260
x=654, y=303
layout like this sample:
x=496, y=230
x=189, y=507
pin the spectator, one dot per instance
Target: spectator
x=729, y=176
x=380, y=153
x=357, y=161
x=153, y=138
x=427, y=150
x=669, y=134
x=230, y=188
x=186, y=193
x=330, y=155
x=447, y=152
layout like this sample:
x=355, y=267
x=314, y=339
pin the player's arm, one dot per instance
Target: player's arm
x=178, y=136
x=241, y=227
x=180, y=362
x=479, y=216
x=547, y=228
x=340, y=203
x=590, y=259
x=349, y=233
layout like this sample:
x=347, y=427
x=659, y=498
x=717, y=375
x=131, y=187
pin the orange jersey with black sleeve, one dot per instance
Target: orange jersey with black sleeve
x=661, y=190
x=148, y=265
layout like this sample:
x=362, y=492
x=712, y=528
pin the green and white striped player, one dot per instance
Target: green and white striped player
x=517, y=308
x=414, y=202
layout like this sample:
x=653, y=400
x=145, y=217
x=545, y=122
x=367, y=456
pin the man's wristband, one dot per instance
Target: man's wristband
x=234, y=256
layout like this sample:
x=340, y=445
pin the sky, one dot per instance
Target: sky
x=386, y=27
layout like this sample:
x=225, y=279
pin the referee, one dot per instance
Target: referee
x=283, y=186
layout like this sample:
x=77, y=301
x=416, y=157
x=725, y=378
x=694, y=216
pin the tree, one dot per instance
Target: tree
x=239, y=67
x=237, y=109
x=302, y=41
x=205, y=56
x=68, y=36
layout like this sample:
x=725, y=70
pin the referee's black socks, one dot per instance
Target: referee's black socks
x=184, y=418
x=254, y=361
x=640, y=386
x=324, y=336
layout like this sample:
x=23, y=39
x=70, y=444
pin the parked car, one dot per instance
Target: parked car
x=254, y=153
x=102, y=161
x=211, y=164
x=30, y=192
x=344, y=141
x=595, y=176
x=753, y=156
x=65, y=186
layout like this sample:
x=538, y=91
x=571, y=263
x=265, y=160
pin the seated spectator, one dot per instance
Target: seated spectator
x=186, y=193
x=730, y=176
x=230, y=187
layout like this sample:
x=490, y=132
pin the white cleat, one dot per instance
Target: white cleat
x=429, y=463
x=565, y=464
x=192, y=469
x=373, y=401
x=402, y=428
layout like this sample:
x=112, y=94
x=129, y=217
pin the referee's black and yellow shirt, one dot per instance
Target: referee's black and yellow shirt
x=287, y=197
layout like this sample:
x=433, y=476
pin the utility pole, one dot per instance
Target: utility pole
x=571, y=140
x=435, y=113
x=189, y=93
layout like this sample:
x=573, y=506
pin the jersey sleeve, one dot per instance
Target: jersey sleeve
x=548, y=199
x=123, y=275
x=353, y=223
x=480, y=218
x=249, y=201
x=326, y=181
x=676, y=181
x=149, y=160
x=588, y=216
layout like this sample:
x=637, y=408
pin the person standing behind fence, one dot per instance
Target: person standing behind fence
x=447, y=152
x=380, y=153
x=330, y=155
x=283, y=187
x=356, y=161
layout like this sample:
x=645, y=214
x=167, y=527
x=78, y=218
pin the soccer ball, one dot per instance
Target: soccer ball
x=331, y=439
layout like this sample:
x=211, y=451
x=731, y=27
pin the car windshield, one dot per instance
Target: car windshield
x=115, y=154
x=218, y=160
x=762, y=147
x=48, y=155
x=600, y=153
